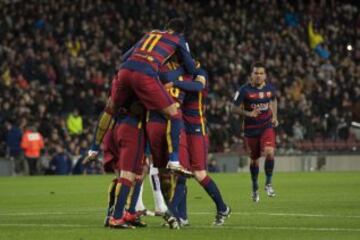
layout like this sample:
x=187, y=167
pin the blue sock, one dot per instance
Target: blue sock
x=182, y=208
x=173, y=134
x=210, y=187
x=135, y=196
x=178, y=195
x=111, y=196
x=254, y=170
x=269, y=168
x=122, y=190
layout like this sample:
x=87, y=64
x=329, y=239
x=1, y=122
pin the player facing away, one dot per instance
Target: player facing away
x=256, y=101
x=138, y=75
x=193, y=108
x=124, y=154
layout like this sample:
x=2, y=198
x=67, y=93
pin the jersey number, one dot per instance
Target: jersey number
x=150, y=42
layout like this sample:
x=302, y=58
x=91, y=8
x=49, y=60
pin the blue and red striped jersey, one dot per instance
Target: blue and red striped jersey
x=154, y=49
x=194, y=107
x=169, y=72
x=255, y=98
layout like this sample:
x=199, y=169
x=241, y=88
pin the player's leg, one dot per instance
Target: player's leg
x=180, y=187
x=130, y=140
x=154, y=97
x=110, y=158
x=178, y=196
x=160, y=205
x=140, y=207
x=136, y=166
x=268, y=149
x=253, y=148
x=182, y=211
x=198, y=151
x=131, y=216
x=174, y=127
x=158, y=147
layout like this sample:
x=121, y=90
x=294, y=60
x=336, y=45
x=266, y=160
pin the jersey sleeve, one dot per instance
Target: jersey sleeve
x=273, y=92
x=126, y=55
x=192, y=86
x=239, y=96
x=171, y=75
x=184, y=52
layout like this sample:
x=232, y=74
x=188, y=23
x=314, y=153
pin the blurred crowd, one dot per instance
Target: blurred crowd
x=57, y=59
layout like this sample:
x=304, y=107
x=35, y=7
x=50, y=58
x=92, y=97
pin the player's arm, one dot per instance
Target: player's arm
x=105, y=122
x=126, y=55
x=197, y=84
x=187, y=60
x=171, y=76
x=273, y=107
x=238, y=105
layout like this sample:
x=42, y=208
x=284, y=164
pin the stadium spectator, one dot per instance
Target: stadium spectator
x=68, y=53
x=32, y=143
x=61, y=163
x=74, y=123
x=13, y=141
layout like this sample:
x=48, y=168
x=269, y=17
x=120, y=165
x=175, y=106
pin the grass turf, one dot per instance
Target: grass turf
x=307, y=206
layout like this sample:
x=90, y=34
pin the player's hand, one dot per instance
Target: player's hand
x=274, y=122
x=91, y=156
x=169, y=85
x=254, y=113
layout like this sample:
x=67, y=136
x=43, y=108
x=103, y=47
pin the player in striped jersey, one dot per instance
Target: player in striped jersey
x=256, y=101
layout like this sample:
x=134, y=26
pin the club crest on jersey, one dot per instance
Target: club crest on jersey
x=268, y=94
x=261, y=94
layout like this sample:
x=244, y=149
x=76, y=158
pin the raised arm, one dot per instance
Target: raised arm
x=187, y=60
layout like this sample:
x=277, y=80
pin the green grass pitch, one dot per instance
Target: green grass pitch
x=307, y=206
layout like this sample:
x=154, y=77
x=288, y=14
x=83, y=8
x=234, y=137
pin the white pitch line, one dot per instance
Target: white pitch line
x=193, y=227
x=322, y=229
x=282, y=214
x=101, y=211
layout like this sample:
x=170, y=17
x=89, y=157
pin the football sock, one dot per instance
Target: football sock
x=122, y=191
x=140, y=204
x=182, y=208
x=254, y=170
x=269, y=168
x=174, y=126
x=213, y=191
x=178, y=195
x=111, y=196
x=135, y=196
x=156, y=189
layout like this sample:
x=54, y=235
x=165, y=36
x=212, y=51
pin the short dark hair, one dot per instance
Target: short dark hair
x=176, y=24
x=257, y=65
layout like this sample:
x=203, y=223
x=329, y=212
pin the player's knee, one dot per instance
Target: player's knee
x=145, y=170
x=200, y=175
x=254, y=161
x=128, y=175
x=269, y=152
x=117, y=173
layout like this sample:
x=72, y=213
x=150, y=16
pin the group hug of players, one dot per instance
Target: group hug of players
x=155, y=118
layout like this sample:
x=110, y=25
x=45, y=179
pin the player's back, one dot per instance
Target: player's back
x=155, y=48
